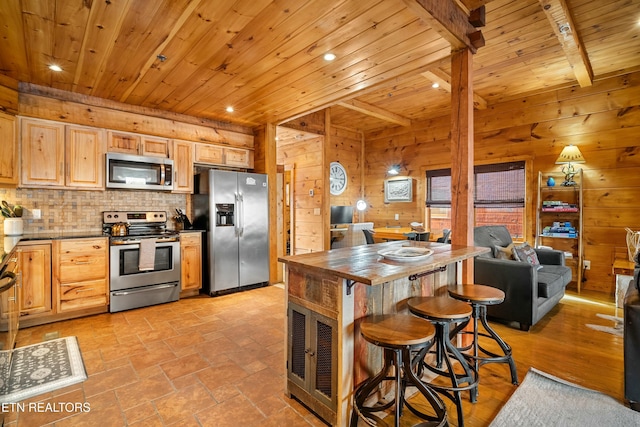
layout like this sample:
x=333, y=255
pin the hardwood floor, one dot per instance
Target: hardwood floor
x=219, y=361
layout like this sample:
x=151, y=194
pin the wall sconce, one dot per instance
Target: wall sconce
x=393, y=170
x=361, y=205
x=570, y=154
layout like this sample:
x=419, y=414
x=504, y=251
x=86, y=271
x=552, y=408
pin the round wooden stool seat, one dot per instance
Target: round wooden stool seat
x=449, y=362
x=396, y=330
x=398, y=335
x=480, y=296
x=439, y=308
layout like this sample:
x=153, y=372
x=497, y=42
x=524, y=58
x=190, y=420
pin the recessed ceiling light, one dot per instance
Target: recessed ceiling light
x=329, y=57
x=229, y=109
x=436, y=85
x=54, y=67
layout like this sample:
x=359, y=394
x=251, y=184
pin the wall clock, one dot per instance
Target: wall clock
x=337, y=178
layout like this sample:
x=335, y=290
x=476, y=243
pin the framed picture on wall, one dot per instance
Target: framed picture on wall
x=398, y=190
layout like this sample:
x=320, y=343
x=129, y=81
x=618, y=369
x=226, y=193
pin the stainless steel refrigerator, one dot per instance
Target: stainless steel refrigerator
x=233, y=208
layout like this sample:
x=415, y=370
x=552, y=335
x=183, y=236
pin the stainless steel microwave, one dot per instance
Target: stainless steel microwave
x=126, y=171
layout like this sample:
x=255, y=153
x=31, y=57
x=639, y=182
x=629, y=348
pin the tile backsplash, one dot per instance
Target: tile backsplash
x=74, y=210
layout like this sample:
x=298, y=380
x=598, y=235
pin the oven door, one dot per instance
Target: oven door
x=124, y=260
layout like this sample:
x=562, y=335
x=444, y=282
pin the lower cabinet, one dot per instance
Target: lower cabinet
x=81, y=271
x=312, y=359
x=191, y=262
x=35, y=292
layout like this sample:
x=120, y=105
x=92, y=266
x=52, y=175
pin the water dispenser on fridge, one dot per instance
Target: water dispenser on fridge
x=224, y=214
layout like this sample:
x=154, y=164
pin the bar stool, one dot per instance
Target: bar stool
x=398, y=335
x=443, y=311
x=479, y=296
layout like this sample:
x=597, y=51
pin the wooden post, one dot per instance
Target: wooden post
x=462, y=213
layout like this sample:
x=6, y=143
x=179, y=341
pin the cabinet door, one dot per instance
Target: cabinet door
x=84, y=151
x=312, y=354
x=122, y=142
x=183, y=167
x=42, y=153
x=155, y=147
x=8, y=150
x=35, y=265
x=238, y=157
x=191, y=261
x=208, y=154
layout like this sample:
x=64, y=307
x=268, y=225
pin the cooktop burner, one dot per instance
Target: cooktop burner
x=137, y=225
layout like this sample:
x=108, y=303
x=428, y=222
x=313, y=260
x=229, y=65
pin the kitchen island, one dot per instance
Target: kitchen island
x=329, y=292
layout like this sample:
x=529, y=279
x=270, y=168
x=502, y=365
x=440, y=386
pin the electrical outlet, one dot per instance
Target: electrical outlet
x=397, y=216
x=587, y=264
x=37, y=213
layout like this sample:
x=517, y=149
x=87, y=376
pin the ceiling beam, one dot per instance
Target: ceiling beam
x=565, y=29
x=450, y=21
x=377, y=112
x=436, y=75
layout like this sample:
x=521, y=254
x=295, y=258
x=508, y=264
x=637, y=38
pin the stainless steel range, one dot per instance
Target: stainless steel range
x=144, y=259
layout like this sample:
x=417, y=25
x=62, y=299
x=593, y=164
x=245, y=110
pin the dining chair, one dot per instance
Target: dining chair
x=368, y=236
x=445, y=236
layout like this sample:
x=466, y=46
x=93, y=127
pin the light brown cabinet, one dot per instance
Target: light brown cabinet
x=140, y=145
x=8, y=150
x=35, y=266
x=59, y=155
x=81, y=271
x=42, y=153
x=191, y=262
x=84, y=157
x=207, y=154
x=183, y=166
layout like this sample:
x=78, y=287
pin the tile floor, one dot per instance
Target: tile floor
x=197, y=362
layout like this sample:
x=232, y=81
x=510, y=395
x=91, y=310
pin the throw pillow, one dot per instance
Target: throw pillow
x=525, y=253
x=503, y=253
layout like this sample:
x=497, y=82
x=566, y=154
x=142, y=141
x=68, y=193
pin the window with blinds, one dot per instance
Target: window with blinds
x=499, y=196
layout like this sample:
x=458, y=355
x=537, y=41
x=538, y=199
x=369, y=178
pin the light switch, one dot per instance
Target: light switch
x=397, y=217
x=316, y=211
x=37, y=213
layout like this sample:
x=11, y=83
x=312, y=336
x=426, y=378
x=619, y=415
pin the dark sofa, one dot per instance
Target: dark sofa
x=632, y=341
x=531, y=291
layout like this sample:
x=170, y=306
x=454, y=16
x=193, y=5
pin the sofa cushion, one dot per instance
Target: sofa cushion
x=525, y=253
x=490, y=236
x=503, y=253
x=552, y=279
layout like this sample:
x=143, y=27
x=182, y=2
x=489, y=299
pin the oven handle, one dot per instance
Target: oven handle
x=154, y=288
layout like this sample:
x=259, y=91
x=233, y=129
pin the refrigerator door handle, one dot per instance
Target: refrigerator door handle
x=241, y=214
x=236, y=215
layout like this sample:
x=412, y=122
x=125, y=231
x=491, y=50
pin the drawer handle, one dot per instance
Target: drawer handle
x=83, y=290
x=82, y=262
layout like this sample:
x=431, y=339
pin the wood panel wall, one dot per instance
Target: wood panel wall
x=345, y=146
x=603, y=120
x=306, y=160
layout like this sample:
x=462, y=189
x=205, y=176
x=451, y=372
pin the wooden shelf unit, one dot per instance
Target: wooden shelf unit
x=567, y=194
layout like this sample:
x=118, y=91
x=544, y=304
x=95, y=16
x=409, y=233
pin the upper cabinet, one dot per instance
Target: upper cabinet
x=8, y=150
x=141, y=145
x=84, y=151
x=182, y=166
x=59, y=155
x=42, y=153
x=207, y=154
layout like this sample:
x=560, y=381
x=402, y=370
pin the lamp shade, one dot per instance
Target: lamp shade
x=570, y=154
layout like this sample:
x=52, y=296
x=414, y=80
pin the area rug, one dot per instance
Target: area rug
x=41, y=368
x=545, y=400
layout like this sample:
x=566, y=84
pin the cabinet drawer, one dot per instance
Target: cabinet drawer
x=81, y=260
x=190, y=238
x=208, y=154
x=76, y=296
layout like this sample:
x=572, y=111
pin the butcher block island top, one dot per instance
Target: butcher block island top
x=364, y=264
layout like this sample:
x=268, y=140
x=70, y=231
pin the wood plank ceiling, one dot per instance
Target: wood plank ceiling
x=265, y=57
